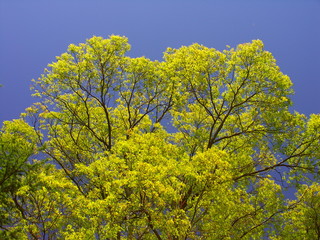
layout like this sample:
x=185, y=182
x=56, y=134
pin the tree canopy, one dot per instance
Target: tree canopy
x=201, y=145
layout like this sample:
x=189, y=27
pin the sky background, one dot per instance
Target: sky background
x=33, y=33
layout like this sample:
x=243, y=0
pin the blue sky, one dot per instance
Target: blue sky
x=33, y=32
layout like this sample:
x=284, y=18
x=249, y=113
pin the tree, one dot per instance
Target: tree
x=201, y=145
x=17, y=144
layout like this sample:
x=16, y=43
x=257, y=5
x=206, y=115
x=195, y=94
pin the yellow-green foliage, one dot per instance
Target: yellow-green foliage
x=198, y=146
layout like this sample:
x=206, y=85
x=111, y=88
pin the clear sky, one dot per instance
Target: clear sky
x=33, y=32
